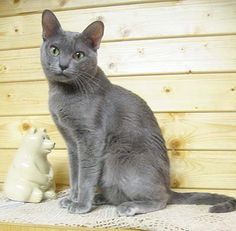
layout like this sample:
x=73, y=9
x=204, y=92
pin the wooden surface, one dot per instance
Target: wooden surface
x=189, y=169
x=180, y=56
x=152, y=20
x=163, y=93
x=30, y=227
x=11, y=7
x=154, y=56
x=191, y=131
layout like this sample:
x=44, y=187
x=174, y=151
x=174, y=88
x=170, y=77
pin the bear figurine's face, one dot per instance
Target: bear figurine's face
x=47, y=144
x=38, y=142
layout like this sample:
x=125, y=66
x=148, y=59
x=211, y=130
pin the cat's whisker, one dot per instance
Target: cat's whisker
x=87, y=80
x=89, y=85
x=78, y=86
x=92, y=79
x=84, y=87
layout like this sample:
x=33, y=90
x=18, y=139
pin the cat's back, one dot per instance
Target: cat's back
x=129, y=113
x=128, y=102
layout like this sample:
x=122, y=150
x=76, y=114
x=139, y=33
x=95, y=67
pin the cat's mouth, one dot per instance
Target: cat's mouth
x=64, y=74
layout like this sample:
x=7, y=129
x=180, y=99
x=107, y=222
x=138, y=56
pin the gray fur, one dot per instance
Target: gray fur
x=112, y=136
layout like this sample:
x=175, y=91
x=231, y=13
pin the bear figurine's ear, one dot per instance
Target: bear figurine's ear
x=43, y=130
x=33, y=130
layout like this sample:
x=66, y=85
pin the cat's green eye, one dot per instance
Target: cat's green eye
x=54, y=51
x=78, y=55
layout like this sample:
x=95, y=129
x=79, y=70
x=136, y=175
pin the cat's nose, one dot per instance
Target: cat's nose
x=63, y=67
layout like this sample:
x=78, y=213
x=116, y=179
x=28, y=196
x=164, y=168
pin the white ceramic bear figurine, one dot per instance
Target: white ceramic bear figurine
x=30, y=177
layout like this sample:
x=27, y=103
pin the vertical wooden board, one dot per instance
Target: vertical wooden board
x=12, y=129
x=164, y=56
x=58, y=159
x=198, y=130
x=189, y=169
x=231, y=193
x=19, y=95
x=176, y=93
x=152, y=20
x=182, y=55
x=13, y=7
x=203, y=92
x=20, y=65
x=203, y=169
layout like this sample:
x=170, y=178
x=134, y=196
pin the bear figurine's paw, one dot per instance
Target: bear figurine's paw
x=36, y=196
x=50, y=195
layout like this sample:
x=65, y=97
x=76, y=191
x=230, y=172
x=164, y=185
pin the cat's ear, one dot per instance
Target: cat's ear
x=94, y=33
x=50, y=24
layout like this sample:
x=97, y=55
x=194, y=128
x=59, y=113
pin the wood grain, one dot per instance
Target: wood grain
x=229, y=192
x=58, y=159
x=189, y=131
x=32, y=227
x=152, y=20
x=163, y=56
x=176, y=93
x=180, y=56
x=189, y=169
x=12, y=7
x=215, y=131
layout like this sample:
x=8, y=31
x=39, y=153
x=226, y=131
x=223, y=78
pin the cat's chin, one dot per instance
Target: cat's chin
x=62, y=78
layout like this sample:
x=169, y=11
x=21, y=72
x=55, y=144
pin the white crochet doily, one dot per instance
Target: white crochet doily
x=172, y=218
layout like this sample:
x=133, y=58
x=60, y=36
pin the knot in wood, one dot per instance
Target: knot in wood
x=2, y=68
x=26, y=126
x=125, y=32
x=111, y=65
x=175, y=144
x=63, y=2
x=167, y=89
x=100, y=18
x=16, y=1
x=175, y=153
x=140, y=51
x=175, y=183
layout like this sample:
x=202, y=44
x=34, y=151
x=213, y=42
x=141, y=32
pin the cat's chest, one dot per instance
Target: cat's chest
x=72, y=111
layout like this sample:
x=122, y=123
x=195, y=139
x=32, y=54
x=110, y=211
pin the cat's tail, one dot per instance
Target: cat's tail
x=222, y=203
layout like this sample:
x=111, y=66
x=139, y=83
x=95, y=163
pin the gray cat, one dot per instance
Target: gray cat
x=112, y=136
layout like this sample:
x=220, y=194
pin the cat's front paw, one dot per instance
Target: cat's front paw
x=65, y=202
x=76, y=207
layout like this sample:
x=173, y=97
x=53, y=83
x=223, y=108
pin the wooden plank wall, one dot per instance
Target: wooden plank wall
x=180, y=56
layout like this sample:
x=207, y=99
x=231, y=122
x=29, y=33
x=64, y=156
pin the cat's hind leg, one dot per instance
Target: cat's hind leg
x=130, y=208
x=99, y=199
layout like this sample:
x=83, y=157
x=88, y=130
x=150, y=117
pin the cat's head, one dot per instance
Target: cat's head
x=67, y=55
